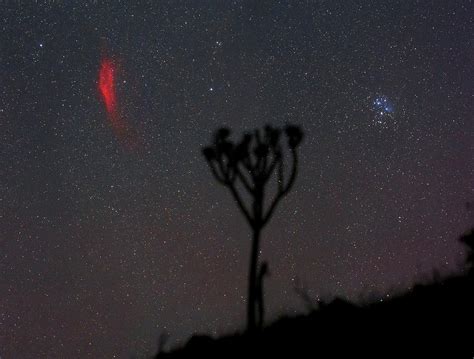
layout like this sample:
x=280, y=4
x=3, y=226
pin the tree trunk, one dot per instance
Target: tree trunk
x=251, y=324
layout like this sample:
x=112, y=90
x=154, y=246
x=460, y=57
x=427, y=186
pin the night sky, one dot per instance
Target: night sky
x=113, y=229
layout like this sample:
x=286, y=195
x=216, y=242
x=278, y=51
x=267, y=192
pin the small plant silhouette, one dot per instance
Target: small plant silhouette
x=468, y=240
x=250, y=164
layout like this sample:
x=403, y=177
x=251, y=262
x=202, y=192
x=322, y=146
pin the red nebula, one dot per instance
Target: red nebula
x=107, y=85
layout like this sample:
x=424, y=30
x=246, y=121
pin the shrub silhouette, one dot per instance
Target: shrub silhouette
x=468, y=240
x=251, y=164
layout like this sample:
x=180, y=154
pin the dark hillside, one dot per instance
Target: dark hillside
x=433, y=320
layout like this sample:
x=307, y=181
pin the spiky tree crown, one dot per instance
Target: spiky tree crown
x=252, y=162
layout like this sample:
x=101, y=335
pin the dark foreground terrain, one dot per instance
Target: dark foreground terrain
x=434, y=320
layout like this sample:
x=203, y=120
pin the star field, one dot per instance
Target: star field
x=104, y=247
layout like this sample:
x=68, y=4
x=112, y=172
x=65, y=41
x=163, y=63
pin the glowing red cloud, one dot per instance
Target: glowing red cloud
x=107, y=85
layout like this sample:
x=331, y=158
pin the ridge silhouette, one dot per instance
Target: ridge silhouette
x=433, y=320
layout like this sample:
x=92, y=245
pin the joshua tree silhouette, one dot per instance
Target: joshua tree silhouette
x=250, y=164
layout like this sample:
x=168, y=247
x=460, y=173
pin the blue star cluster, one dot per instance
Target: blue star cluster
x=384, y=111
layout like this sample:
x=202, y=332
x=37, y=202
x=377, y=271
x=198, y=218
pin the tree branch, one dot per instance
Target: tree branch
x=240, y=203
x=244, y=180
x=271, y=167
x=283, y=191
x=214, y=172
x=247, y=162
x=280, y=177
x=294, y=169
x=225, y=172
